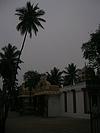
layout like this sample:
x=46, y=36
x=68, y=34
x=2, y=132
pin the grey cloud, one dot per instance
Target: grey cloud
x=68, y=25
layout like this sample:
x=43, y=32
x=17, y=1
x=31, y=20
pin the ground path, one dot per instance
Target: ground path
x=33, y=124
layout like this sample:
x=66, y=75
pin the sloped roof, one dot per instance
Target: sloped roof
x=43, y=88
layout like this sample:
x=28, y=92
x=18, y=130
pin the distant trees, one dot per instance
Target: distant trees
x=31, y=79
x=55, y=76
x=70, y=74
x=91, y=49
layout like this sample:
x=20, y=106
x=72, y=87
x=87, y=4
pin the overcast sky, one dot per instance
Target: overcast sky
x=68, y=25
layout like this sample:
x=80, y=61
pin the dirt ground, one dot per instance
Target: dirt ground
x=35, y=124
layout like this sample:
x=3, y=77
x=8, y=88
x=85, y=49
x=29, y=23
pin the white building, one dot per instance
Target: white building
x=69, y=101
x=73, y=101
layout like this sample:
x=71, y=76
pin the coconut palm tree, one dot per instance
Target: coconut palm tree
x=70, y=74
x=8, y=61
x=55, y=76
x=30, y=19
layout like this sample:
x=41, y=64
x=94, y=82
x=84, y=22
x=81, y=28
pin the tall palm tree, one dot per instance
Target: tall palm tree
x=70, y=74
x=55, y=76
x=30, y=19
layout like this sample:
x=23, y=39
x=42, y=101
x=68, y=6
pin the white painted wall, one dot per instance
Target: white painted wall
x=69, y=102
x=79, y=102
x=62, y=104
x=53, y=105
x=56, y=103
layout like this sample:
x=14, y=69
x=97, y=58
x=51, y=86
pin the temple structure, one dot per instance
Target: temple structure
x=71, y=101
x=45, y=98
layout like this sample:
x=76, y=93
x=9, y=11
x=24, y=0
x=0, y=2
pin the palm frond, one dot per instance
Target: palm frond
x=30, y=18
x=41, y=19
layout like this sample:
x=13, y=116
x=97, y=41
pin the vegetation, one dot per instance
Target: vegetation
x=31, y=79
x=91, y=49
x=30, y=19
x=70, y=74
x=55, y=76
x=89, y=73
x=8, y=61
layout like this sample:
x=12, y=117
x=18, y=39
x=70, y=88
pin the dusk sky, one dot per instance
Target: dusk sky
x=68, y=24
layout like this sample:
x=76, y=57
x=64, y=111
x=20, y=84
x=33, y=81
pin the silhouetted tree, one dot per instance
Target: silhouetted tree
x=70, y=74
x=91, y=49
x=31, y=79
x=89, y=73
x=30, y=19
x=55, y=76
x=8, y=61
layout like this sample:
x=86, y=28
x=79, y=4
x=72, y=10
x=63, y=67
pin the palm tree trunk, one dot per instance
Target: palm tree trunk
x=22, y=46
x=20, y=55
x=20, y=52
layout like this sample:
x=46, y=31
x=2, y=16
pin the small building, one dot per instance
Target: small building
x=69, y=101
x=45, y=98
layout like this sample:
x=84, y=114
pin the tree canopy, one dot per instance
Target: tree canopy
x=8, y=61
x=91, y=49
x=55, y=76
x=70, y=74
x=31, y=79
x=30, y=18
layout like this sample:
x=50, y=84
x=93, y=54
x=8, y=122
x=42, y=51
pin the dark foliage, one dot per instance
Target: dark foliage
x=8, y=61
x=55, y=76
x=31, y=79
x=91, y=49
x=30, y=18
x=71, y=76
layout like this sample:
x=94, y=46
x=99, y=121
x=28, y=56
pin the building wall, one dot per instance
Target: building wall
x=69, y=102
x=54, y=105
x=79, y=96
x=79, y=102
x=62, y=104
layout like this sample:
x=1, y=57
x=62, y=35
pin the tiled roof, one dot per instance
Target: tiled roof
x=43, y=88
